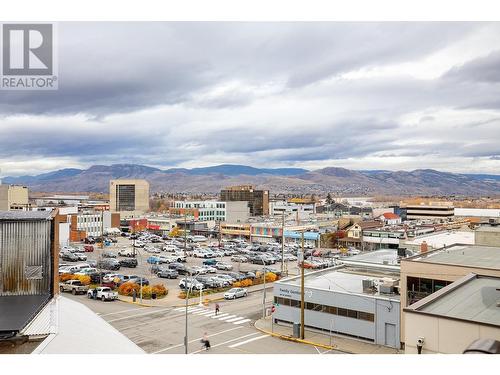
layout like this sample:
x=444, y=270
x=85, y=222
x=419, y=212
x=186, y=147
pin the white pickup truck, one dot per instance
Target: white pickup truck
x=73, y=286
x=103, y=293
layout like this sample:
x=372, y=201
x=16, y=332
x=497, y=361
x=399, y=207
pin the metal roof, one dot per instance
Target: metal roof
x=383, y=256
x=17, y=311
x=464, y=255
x=474, y=299
x=25, y=215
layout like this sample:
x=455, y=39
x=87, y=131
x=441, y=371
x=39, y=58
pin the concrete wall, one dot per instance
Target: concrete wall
x=385, y=312
x=13, y=195
x=64, y=230
x=487, y=236
x=141, y=196
x=442, y=335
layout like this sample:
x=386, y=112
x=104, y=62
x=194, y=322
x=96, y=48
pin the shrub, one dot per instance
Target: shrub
x=84, y=279
x=270, y=277
x=246, y=282
x=66, y=276
x=146, y=292
x=127, y=289
x=159, y=290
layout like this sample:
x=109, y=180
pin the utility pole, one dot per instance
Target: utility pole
x=185, y=234
x=264, y=296
x=283, y=244
x=102, y=228
x=302, y=303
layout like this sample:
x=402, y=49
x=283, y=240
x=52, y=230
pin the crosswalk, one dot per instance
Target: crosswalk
x=210, y=313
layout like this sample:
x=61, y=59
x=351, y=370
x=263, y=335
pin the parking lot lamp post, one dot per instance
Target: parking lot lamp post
x=201, y=293
x=187, y=298
x=264, y=295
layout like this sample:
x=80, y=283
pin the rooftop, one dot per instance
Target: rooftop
x=463, y=255
x=25, y=215
x=441, y=239
x=473, y=298
x=383, y=256
x=345, y=280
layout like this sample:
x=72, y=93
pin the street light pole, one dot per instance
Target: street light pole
x=264, y=295
x=187, y=298
x=302, y=303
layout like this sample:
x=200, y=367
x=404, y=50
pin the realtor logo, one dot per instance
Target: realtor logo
x=28, y=58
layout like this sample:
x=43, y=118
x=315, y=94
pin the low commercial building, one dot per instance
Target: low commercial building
x=449, y=320
x=487, y=235
x=430, y=271
x=200, y=210
x=354, y=236
x=297, y=210
x=433, y=211
x=13, y=197
x=439, y=240
x=356, y=302
x=93, y=224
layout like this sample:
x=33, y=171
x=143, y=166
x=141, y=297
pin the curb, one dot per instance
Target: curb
x=289, y=338
x=134, y=303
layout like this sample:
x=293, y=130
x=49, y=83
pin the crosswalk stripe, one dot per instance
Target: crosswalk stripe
x=196, y=309
x=205, y=313
x=180, y=309
x=247, y=341
x=235, y=319
x=219, y=316
x=201, y=312
x=228, y=317
x=242, y=321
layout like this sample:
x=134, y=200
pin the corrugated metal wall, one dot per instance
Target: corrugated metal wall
x=24, y=248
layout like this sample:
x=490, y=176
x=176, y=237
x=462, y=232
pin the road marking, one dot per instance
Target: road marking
x=204, y=313
x=247, y=341
x=227, y=317
x=198, y=339
x=137, y=315
x=195, y=309
x=219, y=316
x=235, y=319
x=242, y=321
x=122, y=311
x=227, y=342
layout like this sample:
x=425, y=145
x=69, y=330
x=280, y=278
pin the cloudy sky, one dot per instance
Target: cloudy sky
x=396, y=96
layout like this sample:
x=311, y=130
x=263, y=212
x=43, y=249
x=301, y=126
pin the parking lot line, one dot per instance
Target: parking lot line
x=247, y=341
x=242, y=321
x=219, y=316
x=198, y=339
x=227, y=342
x=228, y=317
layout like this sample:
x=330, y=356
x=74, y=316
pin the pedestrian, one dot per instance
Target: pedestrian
x=205, y=341
x=217, y=308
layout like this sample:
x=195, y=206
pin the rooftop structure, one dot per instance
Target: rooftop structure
x=441, y=239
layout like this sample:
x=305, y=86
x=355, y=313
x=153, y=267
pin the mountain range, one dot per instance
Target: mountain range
x=278, y=180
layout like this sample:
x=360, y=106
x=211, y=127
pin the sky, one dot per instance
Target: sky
x=395, y=96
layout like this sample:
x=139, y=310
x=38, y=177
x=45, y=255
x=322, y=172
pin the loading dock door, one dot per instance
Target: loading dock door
x=390, y=335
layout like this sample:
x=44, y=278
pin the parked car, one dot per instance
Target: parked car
x=209, y=269
x=126, y=252
x=223, y=266
x=137, y=280
x=88, y=248
x=102, y=293
x=89, y=240
x=239, y=258
x=69, y=257
x=190, y=283
x=92, y=263
x=108, y=254
x=210, y=282
x=228, y=280
x=199, y=253
x=152, y=250
x=235, y=293
x=86, y=271
x=153, y=260
x=109, y=264
x=80, y=256
x=237, y=276
x=180, y=268
x=168, y=274
x=129, y=263
x=198, y=270
x=73, y=286
x=210, y=262
x=155, y=268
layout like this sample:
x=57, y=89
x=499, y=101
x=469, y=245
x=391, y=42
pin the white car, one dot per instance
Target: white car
x=210, y=269
x=126, y=252
x=199, y=270
x=223, y=266
x=86, y=271
x=139, y=244
x=225, y=277
x=109, y=277
x=81, y=256
x=235, y=293
x=152, y=250
x=190, y=284
x=103, y=293
x=170, y=248
x=199, y=253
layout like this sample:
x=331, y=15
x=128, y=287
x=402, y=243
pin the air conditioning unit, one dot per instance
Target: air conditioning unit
x=368, y=285
x=386, y=289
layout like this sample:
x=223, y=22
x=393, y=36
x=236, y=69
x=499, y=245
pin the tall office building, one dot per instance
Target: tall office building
x=13, y=197
x=129, y=197
x=258, y=200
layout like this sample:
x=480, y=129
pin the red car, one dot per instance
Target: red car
x=88, y=248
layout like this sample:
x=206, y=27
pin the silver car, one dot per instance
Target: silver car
x=235, y=293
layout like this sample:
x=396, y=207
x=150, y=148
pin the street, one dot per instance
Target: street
x=160, y=330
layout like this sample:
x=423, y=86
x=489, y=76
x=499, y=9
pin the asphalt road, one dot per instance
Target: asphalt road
x=160, y=330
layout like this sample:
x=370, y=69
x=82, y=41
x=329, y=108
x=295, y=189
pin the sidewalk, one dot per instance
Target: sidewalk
x=319, y=339
x=172, y=299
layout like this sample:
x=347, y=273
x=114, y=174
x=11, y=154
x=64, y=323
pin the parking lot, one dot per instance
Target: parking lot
x=145, y=269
